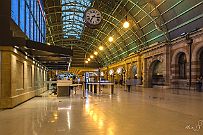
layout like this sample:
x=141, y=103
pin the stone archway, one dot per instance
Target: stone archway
x=176, y=54
x=181, y=66
x=197, y=60
x=179, y=59
x=155, y=74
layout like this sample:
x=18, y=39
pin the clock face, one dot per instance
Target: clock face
x=93, y=16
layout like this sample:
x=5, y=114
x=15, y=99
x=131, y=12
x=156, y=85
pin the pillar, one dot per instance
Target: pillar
x=139, y=68
x=166, y=65
x=145, y=74
x=5, y=87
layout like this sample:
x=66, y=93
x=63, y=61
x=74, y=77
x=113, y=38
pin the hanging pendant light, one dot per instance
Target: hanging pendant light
x=126, y=24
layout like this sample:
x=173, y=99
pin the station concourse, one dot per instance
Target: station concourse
x=101, y=67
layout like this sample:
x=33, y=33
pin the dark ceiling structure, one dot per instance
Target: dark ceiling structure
x=52, y=57
x=151, y=21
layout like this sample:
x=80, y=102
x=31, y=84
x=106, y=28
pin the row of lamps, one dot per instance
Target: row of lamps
x=126, y=25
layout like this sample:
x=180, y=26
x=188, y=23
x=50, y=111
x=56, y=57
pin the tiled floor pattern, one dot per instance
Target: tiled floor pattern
x=140, y=112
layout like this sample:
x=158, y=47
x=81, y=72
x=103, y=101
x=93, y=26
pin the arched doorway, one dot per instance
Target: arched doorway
x=182, y=66
x=156, y=74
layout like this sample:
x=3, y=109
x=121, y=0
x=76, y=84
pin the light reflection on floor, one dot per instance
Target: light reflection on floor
x=141, y=112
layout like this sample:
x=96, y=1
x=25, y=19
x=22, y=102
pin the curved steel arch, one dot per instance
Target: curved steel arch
x=60, y=24
x=121, y=29
x=105, y=33
x=119, y=22
x=135, y=21
x=135, y=4
x=126, y=32
x=163, y=31
x=61, y=33
x=115, y=25
x=153, y=20
x=85, y=52
x=82, y=47
x=89, y=37
x=119, y=33
x=106, y=46
x=100, y=41
x=111, y=23
x=110, y=16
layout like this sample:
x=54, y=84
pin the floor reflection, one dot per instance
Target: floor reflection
x=97, y=116
x=121, y=114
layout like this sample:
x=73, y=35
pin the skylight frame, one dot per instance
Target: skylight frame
x=73, y=17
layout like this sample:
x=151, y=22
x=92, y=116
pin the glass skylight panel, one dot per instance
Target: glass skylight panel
x=72, y=17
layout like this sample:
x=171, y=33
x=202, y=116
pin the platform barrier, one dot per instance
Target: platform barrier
x=101, y=87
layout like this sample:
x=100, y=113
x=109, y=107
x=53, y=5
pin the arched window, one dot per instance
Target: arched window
x=157, y=73
x=182, y=66
x=157, y=68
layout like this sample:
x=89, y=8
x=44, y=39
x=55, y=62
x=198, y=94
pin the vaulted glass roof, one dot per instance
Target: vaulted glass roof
x=151, y=22
x=72, y=17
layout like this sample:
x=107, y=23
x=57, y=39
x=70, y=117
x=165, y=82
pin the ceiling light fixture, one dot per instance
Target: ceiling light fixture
x=126, y=24
x=101, y=48
x=88, y=59
x=95, y=53
x=91, y=56
x=110, y=39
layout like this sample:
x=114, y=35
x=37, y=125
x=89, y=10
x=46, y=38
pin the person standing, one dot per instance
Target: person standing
x=199, y=84
x=128, y=84
x=121, y=81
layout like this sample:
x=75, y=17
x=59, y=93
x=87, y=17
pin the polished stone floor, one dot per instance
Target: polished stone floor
x=139, y=112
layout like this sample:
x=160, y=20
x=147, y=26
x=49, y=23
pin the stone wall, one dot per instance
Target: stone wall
x=21, y=78
x=180, y=46
x=166, y=54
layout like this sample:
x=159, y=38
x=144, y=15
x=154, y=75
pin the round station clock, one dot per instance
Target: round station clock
x=93, y=17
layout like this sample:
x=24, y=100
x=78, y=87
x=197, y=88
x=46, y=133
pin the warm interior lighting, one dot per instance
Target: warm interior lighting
x=88, y=59
x=126, y=24
x=91, y=56
x=101, y=48
x=110, y=39
x=95, y=53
